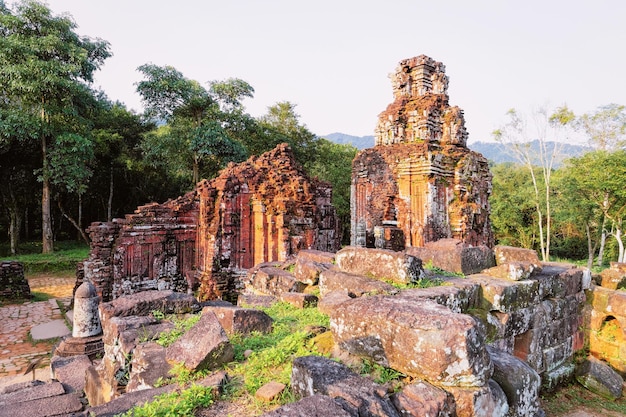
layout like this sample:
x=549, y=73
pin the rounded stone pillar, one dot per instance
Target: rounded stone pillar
x=86, y=319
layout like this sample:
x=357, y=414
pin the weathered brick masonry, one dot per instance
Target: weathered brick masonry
x=264, y=209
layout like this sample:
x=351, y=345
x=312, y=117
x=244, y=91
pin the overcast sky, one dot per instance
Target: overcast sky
x=332, y=57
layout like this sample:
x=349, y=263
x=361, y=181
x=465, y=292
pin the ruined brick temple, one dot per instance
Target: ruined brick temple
x=264, y=209
x=420, y=183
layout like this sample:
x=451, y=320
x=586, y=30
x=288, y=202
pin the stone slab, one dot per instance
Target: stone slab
x=31, y=391
x=50, y=330
x=70, y=371
x=313, y=406
x=43, y=407
x=437, y=345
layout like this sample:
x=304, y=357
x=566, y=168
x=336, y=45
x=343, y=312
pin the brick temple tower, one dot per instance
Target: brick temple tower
x=420, y=183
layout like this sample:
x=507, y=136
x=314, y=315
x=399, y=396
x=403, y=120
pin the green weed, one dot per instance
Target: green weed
x=181, y=325
x=183, y=403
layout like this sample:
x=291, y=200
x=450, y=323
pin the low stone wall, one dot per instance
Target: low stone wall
x=605, y=318
x=13, y=284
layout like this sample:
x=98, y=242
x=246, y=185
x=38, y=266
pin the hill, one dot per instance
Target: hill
x=494, y=152
x=359, y=142
x=497, y=152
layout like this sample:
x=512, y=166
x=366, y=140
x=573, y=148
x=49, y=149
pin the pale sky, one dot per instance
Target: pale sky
x=332, y=58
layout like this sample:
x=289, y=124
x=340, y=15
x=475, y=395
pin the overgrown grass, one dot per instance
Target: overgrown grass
x=273, y=353
x=179, y=403
x=181, y=325
x=64, y=258
x=573, y=396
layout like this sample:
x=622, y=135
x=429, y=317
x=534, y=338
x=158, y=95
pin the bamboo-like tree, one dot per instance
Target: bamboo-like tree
x=538, y=142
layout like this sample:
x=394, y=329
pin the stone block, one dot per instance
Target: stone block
x=556, y=355
x=421, y=399
x=299, y=299
x=70, y=371
x=614, y=277
x=557, y=377
x=600, y=379
x=358, y=395
x=453, y=255
x=507, y=296
x=437, y=345
x=100, y=385
x=241, y=320
x=508, y=254
x=313, y=406
x=332, y=299
x=356, y=285
x=459, y=295
x=147, y=367
x=32, y=392
x=519, y=382
x=308, y=271
x=255, y=300
x=216, y=380
x=485, y=401
x=65, y=404
x=514, y=271
x=145, y=302
x=382, y=264
x=270, y=391
x=13, y=283
x=275, y=281
x=127, y=401
x=317, y=256
x=204, y=346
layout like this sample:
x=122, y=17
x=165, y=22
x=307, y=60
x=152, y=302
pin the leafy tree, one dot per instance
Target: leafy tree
x=117, y=134
x=197, y=117
x=333, y=163
x=517, y=134
x=282, y=124
x=45, y=71
x=606, y=130
x=606, y=127
x=513, y=214
x=598, y=179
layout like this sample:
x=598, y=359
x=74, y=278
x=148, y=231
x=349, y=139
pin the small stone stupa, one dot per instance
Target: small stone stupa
x=420, y=183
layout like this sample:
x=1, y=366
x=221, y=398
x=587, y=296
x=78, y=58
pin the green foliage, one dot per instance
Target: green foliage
x=181, y=325
x=512, y=209
x=273, y=353
x=63, y=259
x=175, y=404
x=380, y=374
x=333, y=163
x=568, y=398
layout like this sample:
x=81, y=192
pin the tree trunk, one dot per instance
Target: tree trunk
x=620, y=244
x=110, y=201
x=591, y=248
x=82, y=233
x=47, y=240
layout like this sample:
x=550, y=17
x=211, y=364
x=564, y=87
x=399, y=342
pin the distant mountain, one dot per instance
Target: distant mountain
x=498, y=153
x=359, y=142
x=493, y=151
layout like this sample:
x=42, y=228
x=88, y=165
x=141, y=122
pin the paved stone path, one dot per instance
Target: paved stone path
x=16, y=320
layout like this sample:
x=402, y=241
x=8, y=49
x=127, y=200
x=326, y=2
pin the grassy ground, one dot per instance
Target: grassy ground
x=64, y=258
x=573, y=397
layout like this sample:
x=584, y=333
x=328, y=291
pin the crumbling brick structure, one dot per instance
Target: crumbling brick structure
x=420, y=183
x=265, y=209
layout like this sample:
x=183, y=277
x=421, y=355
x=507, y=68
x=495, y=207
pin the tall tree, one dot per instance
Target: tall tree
x=606, y=130
x=606, y=127
x=333, y=163
x=45, y=71
x=549, y=130
x=599, y=179
x=197, y=116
